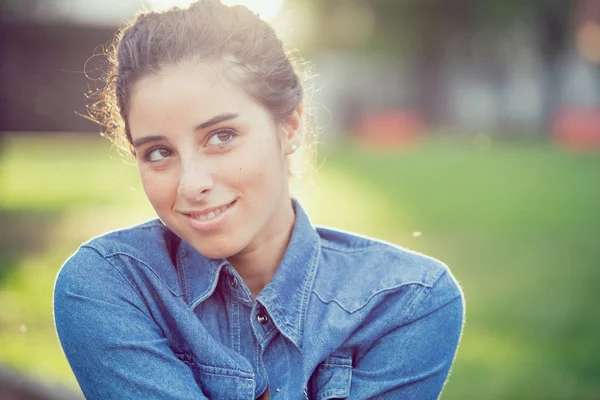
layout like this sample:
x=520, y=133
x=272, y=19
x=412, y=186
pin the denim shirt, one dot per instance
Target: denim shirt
x=140, y=314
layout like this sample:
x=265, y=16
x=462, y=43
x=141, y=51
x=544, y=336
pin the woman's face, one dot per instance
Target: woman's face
x=211, y=160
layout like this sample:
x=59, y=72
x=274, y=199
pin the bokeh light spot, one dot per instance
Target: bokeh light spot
x=588, y=41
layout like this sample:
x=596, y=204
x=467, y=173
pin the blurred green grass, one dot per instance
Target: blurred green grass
x=519, y=225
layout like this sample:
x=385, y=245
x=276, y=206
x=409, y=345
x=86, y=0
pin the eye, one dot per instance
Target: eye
x=157, y=154
x=221, y=138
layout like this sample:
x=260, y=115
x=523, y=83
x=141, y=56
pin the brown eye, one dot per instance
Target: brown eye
x=220, y=138
x=224, y=137
x=158, y=154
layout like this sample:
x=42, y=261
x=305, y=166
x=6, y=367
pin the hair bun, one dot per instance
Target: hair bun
x=252, y=53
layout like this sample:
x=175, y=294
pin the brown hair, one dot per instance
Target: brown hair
x=207, y=31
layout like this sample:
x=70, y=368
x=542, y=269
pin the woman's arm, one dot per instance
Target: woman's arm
x=413, y=360
x=113, y=345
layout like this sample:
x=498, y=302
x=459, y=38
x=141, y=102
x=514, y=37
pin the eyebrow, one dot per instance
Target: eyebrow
x=215, y=120
x=206, y=124
x=147, y=139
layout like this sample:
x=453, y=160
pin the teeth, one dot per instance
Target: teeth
x=210, y=215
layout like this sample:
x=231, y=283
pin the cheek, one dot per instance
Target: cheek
x=263, y=177
x=159, y=188
x=259, y=165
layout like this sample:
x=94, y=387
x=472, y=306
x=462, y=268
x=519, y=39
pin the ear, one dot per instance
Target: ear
x=292, y=132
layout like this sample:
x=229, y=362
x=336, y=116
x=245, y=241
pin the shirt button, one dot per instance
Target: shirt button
x=262, y=319
x=234, y=282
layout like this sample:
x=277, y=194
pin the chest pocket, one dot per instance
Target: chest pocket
x=332, y=379
x=220, y=383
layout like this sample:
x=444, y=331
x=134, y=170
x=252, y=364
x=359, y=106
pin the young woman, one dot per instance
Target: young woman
x=232, y=293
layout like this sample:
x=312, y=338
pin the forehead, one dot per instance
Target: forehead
x=183, y=91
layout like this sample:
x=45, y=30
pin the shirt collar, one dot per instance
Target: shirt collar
x=285, y=298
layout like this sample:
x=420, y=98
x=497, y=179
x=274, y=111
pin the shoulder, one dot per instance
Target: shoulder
x=148, y=247
x=136, y=241
x=354, y=270
x=150, y=242
x=370, y=261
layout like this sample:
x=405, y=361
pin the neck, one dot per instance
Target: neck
x=259, y=261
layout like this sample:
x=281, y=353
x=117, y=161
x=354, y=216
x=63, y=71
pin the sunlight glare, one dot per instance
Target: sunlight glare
x=159, y=5
x=267, y=9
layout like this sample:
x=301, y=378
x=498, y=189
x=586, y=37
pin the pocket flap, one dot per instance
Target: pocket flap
x=332, y=378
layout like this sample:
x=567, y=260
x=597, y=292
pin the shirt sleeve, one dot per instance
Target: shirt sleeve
x=413, y=360
x=111, y=341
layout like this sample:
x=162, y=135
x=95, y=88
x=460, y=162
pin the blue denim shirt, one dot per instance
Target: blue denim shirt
x=141, y=315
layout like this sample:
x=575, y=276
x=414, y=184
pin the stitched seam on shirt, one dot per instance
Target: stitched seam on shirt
x=190, y=359
x=202, y=296
x=119, y=253
x=223, y=375
x=336, y=365
x=425, y=292
x=226, y=376
x=357, y=238
x=440, y=306
x=270, y=332
x=182, y=276
x=122, y=253
x=408, y=311
x=436, y=274
x=199, y=364
x=147, y=225
x=403, y=318
x=307, y=289
x=330, y=246
x=130, y=283
x=107, y=259
x=332, y=392
x=338, y=359
x=370, y=297
x=287, y=355
x=236, y=330
x=344, y=369
x=259, y=364
x=425, y=283
x=256, y=359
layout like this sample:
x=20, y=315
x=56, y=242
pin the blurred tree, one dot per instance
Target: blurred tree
x=424, y=30
x=18, y=9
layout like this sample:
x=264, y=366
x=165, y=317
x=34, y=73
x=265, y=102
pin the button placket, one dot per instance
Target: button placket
x=262, y=318
x=234, y=282
x=236, y=286
x=262, y=324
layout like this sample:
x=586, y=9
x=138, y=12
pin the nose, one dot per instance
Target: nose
x=195, y=180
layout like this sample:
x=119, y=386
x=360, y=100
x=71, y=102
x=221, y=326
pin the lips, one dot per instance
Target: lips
x=210, y=213
x=209, y=218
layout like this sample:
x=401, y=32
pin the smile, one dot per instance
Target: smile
x=210, y=214
x=210, y=218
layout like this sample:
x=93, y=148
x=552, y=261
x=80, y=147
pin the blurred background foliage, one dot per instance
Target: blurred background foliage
x=468, y=130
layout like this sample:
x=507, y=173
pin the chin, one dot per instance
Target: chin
x=216, y=249
x=214, y=245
